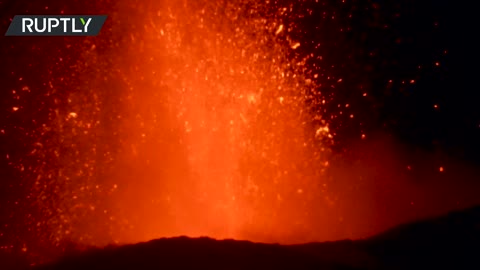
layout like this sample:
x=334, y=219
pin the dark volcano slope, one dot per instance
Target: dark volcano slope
x=449, y=242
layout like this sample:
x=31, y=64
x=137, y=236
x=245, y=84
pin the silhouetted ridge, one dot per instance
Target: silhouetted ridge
x=449, y=242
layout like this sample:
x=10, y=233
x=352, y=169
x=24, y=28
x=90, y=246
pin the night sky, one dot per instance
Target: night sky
x=389, y=90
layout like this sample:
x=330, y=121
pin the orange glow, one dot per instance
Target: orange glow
x=202, y=118
x=268, y=121
x=226, y=137
x=206, y=132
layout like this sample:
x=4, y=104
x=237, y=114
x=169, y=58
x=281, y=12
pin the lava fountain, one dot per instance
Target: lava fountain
x=199, y=119
x=209, y=118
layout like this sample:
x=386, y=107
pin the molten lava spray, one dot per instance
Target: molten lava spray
x=197, y=120
x=213, y=118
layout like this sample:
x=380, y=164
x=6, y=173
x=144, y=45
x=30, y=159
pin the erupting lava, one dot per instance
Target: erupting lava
x=199, y=121
x=228, y=119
